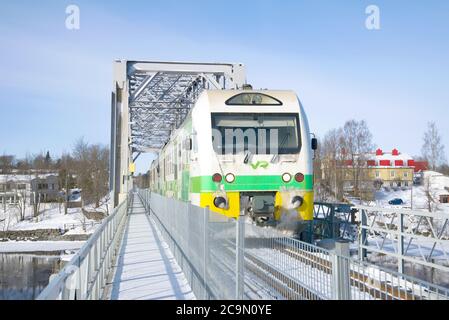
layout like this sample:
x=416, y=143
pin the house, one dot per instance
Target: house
x=373, y=171
x=45, y=188
x=13, y=188
x=391, y=169
x=421, y=166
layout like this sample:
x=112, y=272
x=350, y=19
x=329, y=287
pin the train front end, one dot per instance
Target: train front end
x=255, y=156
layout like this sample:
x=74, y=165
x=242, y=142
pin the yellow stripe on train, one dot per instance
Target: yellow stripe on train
x=305, y=211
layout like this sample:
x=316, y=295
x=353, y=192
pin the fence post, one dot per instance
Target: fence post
x=363, y=240
x=331, y=222
x=341, y=271
x=240, y=256
x=206, y=250
x=401, y=243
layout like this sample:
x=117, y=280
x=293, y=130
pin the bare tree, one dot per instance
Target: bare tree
x=91, y=167
x=21, y=203
x=444, y=169
x=357, y=142
x=39, y=162
x=36, y=201
x=24, y=165
x=66, y=170
x=6, y=163
x=331, y=158
x=431, y=202
x=433, y=148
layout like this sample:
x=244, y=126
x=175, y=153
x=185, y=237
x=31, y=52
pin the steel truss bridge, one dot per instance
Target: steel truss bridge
x=219, y=258
x=149, y=101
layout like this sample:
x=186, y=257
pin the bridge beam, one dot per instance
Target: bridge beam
x=150, y=100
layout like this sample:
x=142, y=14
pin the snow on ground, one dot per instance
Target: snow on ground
x=146, y=268
x=105, y=206
x=36, y=246
x=416, y=197
x=52, y=216
x=418, y=248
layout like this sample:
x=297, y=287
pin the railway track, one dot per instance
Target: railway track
x=384, y=290
x=285, y=286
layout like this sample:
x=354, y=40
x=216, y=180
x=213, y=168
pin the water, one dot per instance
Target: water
x=24, y=276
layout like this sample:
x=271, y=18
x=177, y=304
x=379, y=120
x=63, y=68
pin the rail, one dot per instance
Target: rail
x=85, y=276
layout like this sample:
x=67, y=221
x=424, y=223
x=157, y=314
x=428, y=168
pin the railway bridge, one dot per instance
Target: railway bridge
x=151, y=247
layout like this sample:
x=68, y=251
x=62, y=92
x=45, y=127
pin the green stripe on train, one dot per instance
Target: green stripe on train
x=249, y=183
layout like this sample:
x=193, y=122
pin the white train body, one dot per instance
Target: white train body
x=266, y=173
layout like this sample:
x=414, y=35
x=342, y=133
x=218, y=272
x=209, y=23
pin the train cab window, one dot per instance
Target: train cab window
x=249, y=99
x=258, y=133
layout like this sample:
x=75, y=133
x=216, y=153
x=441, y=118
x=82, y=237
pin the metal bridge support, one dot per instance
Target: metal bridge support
x=149, y=101
x=401, y=243
x=240, y=257
x=341, y=271
x=120, y=151
x=363, y=235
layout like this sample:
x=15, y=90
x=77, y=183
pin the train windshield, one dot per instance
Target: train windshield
x=258, y=133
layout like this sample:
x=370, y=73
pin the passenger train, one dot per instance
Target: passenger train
x=241, y=152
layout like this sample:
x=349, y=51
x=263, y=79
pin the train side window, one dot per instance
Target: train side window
x=194, y=142
x=188, y=144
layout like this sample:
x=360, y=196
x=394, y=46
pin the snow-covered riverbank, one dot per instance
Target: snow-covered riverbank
x=38, y=246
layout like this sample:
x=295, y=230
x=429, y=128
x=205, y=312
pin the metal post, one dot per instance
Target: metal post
x=331, y=222
x=341, y=271
x=206, y=249
x=401, y=243
x=363, y=240
x=240, y=257
x=310, y=237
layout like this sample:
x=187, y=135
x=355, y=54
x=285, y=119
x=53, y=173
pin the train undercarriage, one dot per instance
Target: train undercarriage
x=262, y=208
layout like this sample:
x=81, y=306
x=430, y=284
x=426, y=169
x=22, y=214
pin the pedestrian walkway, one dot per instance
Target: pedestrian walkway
x=146, y=268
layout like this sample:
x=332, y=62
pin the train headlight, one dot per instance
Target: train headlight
x=217, y=177
x=220, y=202
x=297, y=201
x=299, y=177
x=286, y=177
x=230, y=178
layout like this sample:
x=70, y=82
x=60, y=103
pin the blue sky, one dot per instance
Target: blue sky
x=55, y=83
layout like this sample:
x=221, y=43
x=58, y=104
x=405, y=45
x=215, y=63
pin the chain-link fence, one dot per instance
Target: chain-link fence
x=203, y=244
x=226, y=258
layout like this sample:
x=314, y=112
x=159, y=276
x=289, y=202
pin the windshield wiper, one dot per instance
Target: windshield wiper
x=280, y=146
x=247, y=157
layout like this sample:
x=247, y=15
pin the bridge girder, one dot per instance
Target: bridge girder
x=150, y=100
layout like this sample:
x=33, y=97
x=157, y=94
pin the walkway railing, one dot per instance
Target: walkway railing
x=85, y=276
x=203, y=244
x=414, y=240
x=225, y=258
